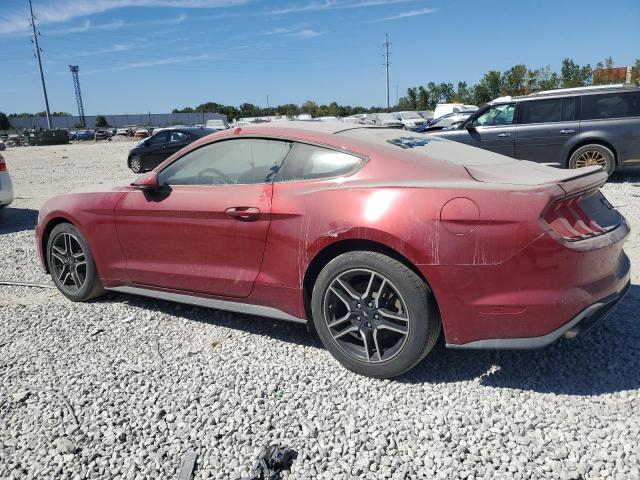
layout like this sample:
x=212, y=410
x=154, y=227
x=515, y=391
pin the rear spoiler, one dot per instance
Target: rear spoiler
x=584, y=181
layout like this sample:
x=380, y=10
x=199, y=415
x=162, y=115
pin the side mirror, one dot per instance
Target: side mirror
x=147, y=182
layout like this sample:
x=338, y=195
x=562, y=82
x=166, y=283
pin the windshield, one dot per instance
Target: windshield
x=387, y=117
x=409, y=115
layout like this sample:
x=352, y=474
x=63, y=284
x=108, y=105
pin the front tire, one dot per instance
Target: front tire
x=71, y=264
x=135, y=164
x=593, y=155
x=374, y=314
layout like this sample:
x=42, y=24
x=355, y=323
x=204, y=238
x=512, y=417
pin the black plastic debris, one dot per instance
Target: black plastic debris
x=272, y=461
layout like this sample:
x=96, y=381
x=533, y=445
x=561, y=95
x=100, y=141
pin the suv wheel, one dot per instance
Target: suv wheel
x=593, y=155
x=71, y=264
x=135, y=164
x=375, y=315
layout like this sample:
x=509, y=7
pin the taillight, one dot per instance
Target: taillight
x=583, y=216
x=3, y=165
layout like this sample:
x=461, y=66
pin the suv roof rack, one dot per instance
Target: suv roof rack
x=579, y=89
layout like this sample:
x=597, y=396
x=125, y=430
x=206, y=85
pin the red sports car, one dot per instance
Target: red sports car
x=381, y=238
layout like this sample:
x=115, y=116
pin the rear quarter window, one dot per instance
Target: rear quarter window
x=611, y=105
x=310, y=162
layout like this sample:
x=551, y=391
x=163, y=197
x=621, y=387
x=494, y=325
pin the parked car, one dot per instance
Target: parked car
x=6, y=187
x=101, y=135
x=386, y=120
x=446, y=108
x=85, y=135
x=447, y=121
x=123, y=131
x=141, y=133
x=154, y=150
x=315, y=223
x=216, y=124
x=428, y=115
x=569, y=128
x=410, y=120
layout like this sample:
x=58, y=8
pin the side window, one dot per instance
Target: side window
x=569, y=108
x=541, y=111
x=160, y=137
x=308, y=162
x=496, y=115
x=177, y=137
x=611, y=105
x=229, y=162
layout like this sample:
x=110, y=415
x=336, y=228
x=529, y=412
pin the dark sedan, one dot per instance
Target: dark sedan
x=151, y=152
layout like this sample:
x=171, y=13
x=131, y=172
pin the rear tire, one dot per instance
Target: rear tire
x=375, y=315
x=135, y=164
x=71, y=264
x=593, y=154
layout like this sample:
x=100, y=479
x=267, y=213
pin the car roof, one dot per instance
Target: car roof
x=567, y=92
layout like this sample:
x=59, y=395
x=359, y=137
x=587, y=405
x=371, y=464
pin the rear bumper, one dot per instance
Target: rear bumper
x=535, y=294
x=579, y=324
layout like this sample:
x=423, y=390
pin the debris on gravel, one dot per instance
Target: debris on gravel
x=104, y=406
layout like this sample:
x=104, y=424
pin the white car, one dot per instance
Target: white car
x=410, y=120
x=445, y=108
x=6, y=187
x=386, y=120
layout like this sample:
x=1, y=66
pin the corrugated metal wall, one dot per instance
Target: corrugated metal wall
x=154, y=119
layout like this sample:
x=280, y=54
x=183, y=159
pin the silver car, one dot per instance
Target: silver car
x=6, y=187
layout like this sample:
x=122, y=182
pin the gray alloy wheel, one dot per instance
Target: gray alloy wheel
x=370, y=325
x=135, y=164
x=593, y=155
x=71, y=264
x=374, y=314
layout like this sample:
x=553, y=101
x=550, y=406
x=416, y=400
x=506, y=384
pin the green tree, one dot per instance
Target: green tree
x=548, y=79
x=488, y=87
x=423, y=99
x=5, y=124
x=463, y=94
x=573, y=75
x=309, y=107
x=412, y=98
x=101, y=121
x=514, y=80
x=635, y=71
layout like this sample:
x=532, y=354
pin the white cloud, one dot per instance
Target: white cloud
x=116, y=25
x=335, y=5
x=59, y=11
x=300, y=31
x=412, y=13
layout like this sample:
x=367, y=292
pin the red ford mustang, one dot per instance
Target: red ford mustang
x=382, y=238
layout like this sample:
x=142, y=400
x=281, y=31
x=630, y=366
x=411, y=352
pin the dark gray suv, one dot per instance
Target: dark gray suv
x=568, y=128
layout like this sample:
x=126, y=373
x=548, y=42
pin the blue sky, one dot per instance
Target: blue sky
x=155, y=55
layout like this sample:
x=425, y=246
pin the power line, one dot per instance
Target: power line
x=75, y=73
x=386, y=63
x=32, y=24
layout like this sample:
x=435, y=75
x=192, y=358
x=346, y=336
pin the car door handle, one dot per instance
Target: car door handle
x=246, y=214
x=566, y=131
x=504, y=134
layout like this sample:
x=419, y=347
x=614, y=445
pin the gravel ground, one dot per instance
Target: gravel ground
x=123, y=387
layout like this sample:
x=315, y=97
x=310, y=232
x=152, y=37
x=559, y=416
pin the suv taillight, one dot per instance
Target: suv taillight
x=583, y=216
x=3, y=165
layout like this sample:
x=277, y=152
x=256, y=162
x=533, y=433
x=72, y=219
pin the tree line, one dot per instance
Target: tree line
x=518, y=80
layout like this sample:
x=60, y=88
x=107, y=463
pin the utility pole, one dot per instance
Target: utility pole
x=32, y=23
x=75, y=69
x=386, y=63
x=268, y=107
x=397, y=95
